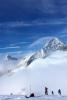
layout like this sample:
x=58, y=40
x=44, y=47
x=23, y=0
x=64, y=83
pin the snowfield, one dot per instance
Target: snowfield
x=35, y=72
x=50, y=72
x=33, y=98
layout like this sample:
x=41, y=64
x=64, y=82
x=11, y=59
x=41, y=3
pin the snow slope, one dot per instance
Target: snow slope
x=50, y=72
x=7, y=63
x=45, y=67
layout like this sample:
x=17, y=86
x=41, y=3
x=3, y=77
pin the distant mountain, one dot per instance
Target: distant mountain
x=47, y=46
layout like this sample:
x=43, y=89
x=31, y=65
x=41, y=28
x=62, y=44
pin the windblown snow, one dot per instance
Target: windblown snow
x=27, y=76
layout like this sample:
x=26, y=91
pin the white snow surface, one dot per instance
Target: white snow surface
x=33, y=98
x=50, y=72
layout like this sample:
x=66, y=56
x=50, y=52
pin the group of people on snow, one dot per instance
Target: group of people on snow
x=46, y=91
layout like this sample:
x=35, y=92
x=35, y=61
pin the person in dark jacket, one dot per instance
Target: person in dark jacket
x=32, y=95
x=52, y=92
x=59, y=92
x=46, y=91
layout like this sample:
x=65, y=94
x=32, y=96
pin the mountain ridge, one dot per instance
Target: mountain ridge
x=48, y=47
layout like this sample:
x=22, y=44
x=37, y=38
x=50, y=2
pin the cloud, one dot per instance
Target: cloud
x=14, y=24
x=63, y=33
x=63, y=36
x=2, y=73
x=37, y=22
x=57, y=21
x=19, y=43
x=16, y=47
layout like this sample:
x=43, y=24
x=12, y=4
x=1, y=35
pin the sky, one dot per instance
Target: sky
x=24, y=21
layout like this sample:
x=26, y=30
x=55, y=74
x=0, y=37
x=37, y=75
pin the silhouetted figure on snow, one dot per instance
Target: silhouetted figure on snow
x=52, y=92
x=11, y=93
x=46, y=91
x=59, y=92
x=32, y=95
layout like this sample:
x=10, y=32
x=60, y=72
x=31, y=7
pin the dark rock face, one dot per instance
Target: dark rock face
x=64, y=47
x=11, y=58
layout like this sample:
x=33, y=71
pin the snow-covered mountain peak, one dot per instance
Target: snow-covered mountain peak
x=54, y=41
x=40, y=42
x=46, y=42
x=53, y=44
x=48, y=45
